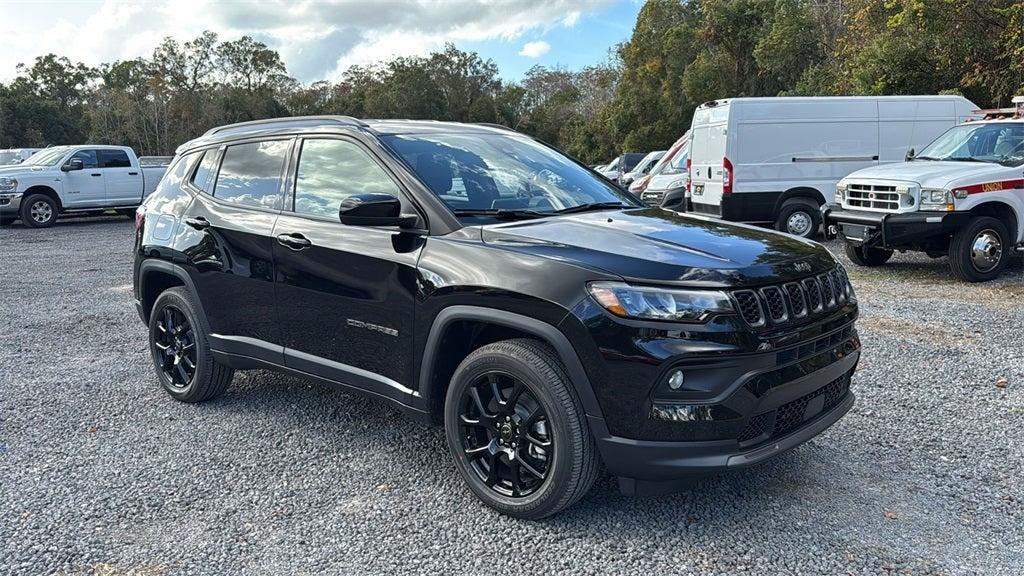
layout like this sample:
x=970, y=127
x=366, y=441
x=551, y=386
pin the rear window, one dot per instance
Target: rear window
x=114, y=159
x=250, y=174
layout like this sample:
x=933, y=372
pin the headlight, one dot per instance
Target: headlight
x=936, y=199
x=645, y=303
x=677, y=183
x=8, y=184
x=840, y=193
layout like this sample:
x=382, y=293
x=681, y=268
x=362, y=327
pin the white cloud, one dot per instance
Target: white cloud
x=316, y=39
x=535, y=49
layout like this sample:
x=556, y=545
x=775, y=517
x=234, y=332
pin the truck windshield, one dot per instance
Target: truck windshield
x=48, y=157
x=997, y=142
x=8, y=157
x=482, y=173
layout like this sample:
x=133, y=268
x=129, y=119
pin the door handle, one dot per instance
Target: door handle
x=294, y=241
x=133, y=173
x=199, y=223
x=96, y=174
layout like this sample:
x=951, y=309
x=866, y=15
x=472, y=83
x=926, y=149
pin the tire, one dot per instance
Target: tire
x=570, y=461
x=799, y=217
x=39, y=211
x=867, y=255
x=979, y=251
x=207, y=379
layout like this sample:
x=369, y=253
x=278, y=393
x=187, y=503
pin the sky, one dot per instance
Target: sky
x=320, y=39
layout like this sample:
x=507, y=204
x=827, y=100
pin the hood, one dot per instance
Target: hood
x=928, y=173
x=651, y=245
x=18, y=169
x=662, y=181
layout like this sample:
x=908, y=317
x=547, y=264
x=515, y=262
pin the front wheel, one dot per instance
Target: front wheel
x=181, y=353
x=867, y=255
x=38, y=211
x=517, y=431
x=979, y=251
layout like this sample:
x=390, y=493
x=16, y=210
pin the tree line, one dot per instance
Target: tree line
x=681, y=53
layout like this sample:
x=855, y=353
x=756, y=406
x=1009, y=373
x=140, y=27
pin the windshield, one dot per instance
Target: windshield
x=482, y=172
x=998, y=142
x=47, y=157
x=8, y=157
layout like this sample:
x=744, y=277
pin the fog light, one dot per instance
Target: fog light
x=675, y=381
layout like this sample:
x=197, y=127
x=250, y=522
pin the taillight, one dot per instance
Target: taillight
x=689, y=176
x=727, y=176
x=140, y=217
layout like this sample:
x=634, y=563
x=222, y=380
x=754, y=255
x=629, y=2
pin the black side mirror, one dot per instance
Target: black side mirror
x=374, y=210
x=72, y=165
x=909, y=156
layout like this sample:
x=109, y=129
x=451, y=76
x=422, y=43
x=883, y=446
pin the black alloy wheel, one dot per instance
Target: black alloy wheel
x=174, y=347
x=506, y=435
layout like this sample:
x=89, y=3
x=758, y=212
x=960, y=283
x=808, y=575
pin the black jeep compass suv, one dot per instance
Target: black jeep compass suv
x=471, y=275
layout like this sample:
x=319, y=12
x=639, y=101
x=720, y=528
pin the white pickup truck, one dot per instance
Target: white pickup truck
x=961, y=196
x=75, y=180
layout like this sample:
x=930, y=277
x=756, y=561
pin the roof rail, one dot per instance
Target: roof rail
x=495, y=125
x=270, y=122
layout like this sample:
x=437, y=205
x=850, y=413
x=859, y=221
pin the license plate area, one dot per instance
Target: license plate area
x=857, y=232
x=698, y=189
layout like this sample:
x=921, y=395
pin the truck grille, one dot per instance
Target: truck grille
x=794, y=301
x=873, y=196
x=653, y=197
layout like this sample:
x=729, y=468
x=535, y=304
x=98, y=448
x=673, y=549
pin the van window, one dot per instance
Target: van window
x=332, y=170
x=114, y=159
x=201, y=179
x=250, y=174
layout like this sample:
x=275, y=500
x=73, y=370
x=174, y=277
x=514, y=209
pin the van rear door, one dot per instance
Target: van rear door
x=707, y=149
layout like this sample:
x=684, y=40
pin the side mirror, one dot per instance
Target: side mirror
x=374, y=210
x=909, y=156
x=72, y=165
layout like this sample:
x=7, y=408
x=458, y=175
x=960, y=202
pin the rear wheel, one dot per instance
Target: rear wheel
x=38, y=211
x=517, y=432
x=867, y=255
x=979, y=251
x=181, y=353
x=799, y=217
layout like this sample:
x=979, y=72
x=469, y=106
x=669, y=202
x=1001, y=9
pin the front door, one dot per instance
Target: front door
x=345, y=294
x=84, y=188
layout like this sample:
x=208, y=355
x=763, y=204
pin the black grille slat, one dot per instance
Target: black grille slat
x=776, y=305
x=838, y=286
x=813, y=294
x=757, y=426
x=828, y=297
x=795, y=297
x=750, y=307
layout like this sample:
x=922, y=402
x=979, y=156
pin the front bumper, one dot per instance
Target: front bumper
x=891, y=230
x=10, y=202
x=671, y=198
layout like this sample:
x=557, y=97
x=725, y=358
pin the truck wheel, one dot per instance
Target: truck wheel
x=517, y=431
x=181, y=353
x=867, y=255
x=799, y=217
x=979, y=251
x=38, y=211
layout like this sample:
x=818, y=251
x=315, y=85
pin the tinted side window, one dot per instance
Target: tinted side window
x=250, y=174
x=88, y=158
x=332, y=170
x=201, y=179
x=114, y=159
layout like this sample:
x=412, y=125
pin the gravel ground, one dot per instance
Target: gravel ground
x=102, y=473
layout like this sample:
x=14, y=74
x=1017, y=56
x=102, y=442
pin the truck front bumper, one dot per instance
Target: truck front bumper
x=10, y=202
x=890, y=230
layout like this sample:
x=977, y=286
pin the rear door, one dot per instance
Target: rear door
x=707, y=150
x=345, y=294
x=123, y=181
x=227, y=243
x=84, y=188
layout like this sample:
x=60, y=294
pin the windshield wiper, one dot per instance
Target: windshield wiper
x=924, y=158
x=964, y=159
x=592, y=206
x=499, y=213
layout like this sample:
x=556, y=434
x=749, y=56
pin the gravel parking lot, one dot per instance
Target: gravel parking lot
x=101, y=472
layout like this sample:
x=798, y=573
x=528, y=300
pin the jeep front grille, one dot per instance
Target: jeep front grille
x=874, y=196
x=793, y=301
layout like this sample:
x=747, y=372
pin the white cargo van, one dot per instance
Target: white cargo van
x=775, y=159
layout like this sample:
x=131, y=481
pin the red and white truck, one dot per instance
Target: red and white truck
x=961, y=196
